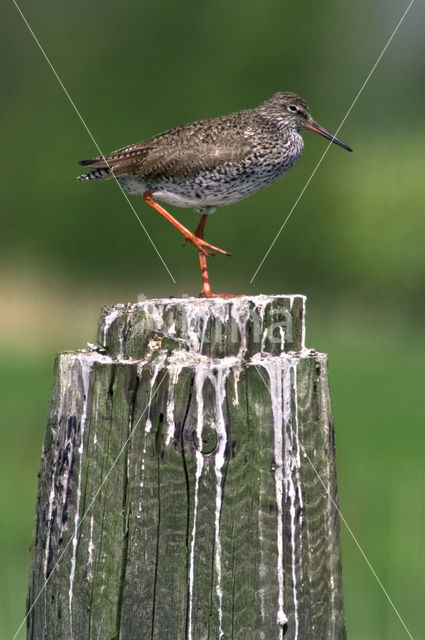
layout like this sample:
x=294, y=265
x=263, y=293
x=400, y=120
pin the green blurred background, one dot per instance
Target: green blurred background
x=354, y=244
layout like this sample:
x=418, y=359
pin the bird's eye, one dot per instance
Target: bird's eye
x=292, y=108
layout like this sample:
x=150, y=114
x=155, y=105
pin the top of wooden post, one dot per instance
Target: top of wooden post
x=215, y=327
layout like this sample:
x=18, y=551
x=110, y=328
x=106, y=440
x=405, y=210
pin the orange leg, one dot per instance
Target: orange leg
x=206, y=286
x=203, y=247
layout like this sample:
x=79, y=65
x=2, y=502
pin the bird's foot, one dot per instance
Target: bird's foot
x=204, y=247
x=209, y=294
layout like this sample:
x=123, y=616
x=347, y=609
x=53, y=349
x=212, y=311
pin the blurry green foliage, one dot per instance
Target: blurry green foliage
x=142, y=68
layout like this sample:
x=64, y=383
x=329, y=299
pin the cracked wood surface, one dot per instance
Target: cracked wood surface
x=187, y=486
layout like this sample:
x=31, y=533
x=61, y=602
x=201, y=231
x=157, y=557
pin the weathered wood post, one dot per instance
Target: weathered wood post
x=187, y=486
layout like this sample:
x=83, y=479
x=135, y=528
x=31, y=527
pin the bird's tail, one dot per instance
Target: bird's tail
x=95, y=174
x=98, y=172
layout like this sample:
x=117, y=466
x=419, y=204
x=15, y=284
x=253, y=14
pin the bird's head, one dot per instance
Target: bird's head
x=293, y=113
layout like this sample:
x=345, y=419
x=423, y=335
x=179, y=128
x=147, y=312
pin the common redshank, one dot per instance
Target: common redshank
x=212, y=163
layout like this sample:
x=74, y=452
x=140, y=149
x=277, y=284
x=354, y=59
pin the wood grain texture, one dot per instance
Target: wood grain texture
x=187, y=488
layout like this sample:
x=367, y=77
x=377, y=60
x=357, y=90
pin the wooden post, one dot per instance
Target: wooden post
x=187, y=486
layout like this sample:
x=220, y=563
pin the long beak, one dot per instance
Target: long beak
x=313, y=126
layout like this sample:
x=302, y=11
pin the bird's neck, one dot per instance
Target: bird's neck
x=279, y=123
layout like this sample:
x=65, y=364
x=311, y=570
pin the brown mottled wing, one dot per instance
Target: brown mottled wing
x=188, y=161
x=182, y=152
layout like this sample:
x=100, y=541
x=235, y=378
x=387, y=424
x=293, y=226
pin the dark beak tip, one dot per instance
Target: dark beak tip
x=317, y=128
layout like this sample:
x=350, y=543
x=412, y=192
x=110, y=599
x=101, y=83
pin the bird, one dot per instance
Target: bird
x=212, y=163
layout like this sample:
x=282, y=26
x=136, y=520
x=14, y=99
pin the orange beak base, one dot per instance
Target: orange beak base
x=314, y=126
